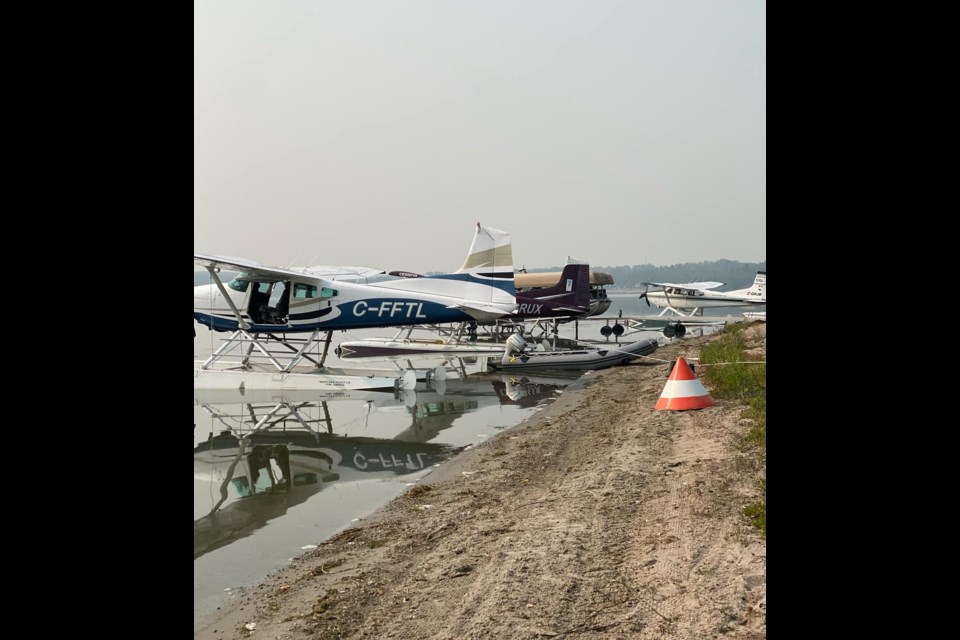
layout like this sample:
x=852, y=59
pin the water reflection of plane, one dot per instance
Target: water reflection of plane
x=271, y=457
x=437, y=408
x=293, y=396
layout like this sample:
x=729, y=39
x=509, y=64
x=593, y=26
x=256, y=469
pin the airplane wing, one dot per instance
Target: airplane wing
x=241, y=264
x=205, y=260
x=257, y=268
x=484, y=311
x=342, y=273
x=687, y=285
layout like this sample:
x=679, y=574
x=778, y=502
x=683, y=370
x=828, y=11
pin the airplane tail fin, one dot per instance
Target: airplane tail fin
x=484, y=284
x=574, y=286
x=490, y=260
x=580, y=274
x=491, y=254
x=760, y=284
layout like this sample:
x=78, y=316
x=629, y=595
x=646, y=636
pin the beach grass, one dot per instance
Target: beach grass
x=733, y=374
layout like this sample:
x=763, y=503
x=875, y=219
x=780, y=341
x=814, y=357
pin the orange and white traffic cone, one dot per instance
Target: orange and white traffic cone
x=683, y=391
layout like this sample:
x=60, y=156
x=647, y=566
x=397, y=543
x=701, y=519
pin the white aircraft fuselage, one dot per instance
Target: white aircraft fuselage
x=681, y=297
x=680, y=300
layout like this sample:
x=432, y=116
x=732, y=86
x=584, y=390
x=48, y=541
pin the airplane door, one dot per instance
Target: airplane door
x=278, y=294
x=280, y=302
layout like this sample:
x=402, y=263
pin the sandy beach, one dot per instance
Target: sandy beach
x=598, y=517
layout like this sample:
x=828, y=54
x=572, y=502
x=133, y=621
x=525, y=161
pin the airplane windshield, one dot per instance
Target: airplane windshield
x=238, y=285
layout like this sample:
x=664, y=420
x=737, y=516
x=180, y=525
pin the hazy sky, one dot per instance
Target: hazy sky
x=379, y=132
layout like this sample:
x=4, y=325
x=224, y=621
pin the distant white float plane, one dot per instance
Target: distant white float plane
x=691, y=298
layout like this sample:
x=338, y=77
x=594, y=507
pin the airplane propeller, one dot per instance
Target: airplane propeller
x=643, y=296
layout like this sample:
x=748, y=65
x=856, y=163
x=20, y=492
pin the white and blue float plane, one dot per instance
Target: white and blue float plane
x=693, y=297
x=263, y=304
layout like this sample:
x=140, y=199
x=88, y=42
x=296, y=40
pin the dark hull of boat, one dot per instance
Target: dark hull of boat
x=585, y=360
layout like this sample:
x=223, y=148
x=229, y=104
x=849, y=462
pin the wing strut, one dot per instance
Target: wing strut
x=216, y=278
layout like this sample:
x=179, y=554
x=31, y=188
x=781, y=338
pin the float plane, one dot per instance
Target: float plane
x=268, y=303
x=693, y=297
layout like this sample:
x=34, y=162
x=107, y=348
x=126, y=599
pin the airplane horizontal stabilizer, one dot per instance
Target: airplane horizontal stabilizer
x=484, y=312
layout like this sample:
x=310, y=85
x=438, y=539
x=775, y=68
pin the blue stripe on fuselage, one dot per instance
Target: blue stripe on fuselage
x=503, y=281
x=395, y=311
x=359, y=314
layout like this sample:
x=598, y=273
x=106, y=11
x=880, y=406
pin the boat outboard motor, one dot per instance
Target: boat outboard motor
x=514, y=391
x=515, y=344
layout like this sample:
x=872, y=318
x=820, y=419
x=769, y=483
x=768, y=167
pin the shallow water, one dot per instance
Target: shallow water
x=277, y=471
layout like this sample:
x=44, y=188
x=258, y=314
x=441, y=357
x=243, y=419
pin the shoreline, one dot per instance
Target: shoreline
x=597, y=516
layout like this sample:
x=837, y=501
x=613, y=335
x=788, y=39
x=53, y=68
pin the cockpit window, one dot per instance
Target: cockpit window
x=239, y=285
x=327, y=292
x=304, y=291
